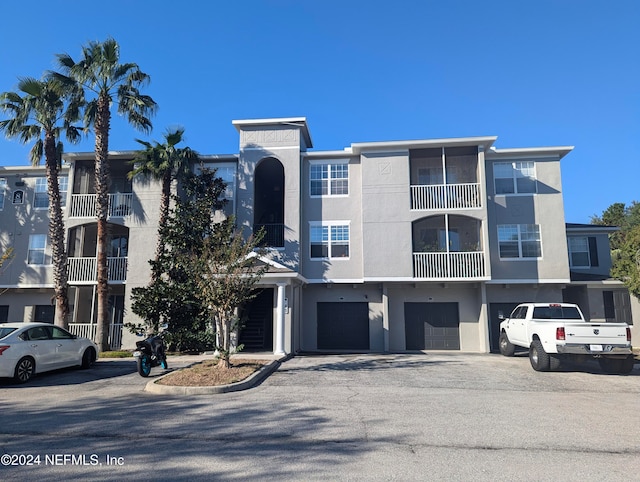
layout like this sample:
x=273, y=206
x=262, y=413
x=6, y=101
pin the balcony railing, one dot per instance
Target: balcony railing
x=88, y=330
x=448, y=266
x=84, y=205
x=84, y=270
x=273, y=234
x=445, y=196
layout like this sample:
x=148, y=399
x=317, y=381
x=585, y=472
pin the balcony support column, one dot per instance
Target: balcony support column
x=280, y=320
x=484, y=320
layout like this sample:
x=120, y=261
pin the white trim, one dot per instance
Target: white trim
x=336, y=281
x=268, y=148
x=27, y=286
x=329, y=163
x=604, y=282
x=529, y=281
x=329, y=224
x=274, y=120
x=486, y=142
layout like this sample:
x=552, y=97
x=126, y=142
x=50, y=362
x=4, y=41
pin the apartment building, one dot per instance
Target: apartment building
x=378, y=247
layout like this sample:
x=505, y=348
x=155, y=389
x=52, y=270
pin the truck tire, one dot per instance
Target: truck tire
x=608, y=365
x=506, y=347
x=620, y=366
x=540, y=359
x=626, y=365
x=555, y=361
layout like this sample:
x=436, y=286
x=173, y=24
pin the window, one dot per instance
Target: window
x=3, y=188
x=518, y=177
x=556, y=313
x=41, y=196
x=578, y=252
x=118, y=247
x=45, y=314
x=37, y=246
x=519, y=241
x=329, y=240
x=329, y=178
x=583, y=251
x=226, y=172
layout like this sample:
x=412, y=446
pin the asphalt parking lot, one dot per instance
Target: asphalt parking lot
x=434, y=416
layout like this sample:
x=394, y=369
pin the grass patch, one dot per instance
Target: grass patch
x=116, y=354
x=208, y=374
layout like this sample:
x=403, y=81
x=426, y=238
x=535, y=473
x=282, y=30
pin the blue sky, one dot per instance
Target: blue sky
x=532, y=72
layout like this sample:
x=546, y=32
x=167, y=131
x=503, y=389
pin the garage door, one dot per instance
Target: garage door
x=343, y=326
x=432, y=326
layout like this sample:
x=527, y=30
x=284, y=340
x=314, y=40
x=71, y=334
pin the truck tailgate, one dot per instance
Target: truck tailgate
x=596, y=333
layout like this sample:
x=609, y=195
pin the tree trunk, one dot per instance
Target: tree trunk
x=162, y=219
x=56, y=233
x=102, y=122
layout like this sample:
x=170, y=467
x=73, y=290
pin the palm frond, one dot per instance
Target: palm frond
x=36, y=152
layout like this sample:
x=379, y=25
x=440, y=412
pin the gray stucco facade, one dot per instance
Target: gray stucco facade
x=380, y=246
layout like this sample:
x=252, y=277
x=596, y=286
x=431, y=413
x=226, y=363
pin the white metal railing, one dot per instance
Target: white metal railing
x=84, y=269
x=88, y=330
x=446, y=196
x=84, y=205
x=458, y=265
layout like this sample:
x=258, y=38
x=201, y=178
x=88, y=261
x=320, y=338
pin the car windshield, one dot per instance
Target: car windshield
x=5, y=331
x=556, y=313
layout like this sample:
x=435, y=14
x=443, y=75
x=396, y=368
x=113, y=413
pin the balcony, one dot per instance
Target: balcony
x=445, y=196
x=449, y=266
x=83, y=270
x=273, y=234
x=84, y=205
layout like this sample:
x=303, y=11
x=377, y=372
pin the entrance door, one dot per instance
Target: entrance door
x=256, y=333
x=343, y=326
x=432, y=326
x=495, y=309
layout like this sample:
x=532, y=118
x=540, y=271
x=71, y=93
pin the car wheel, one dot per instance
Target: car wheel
x=88, y=358
x=540, y=360
x=506, y=347
x=25, y=368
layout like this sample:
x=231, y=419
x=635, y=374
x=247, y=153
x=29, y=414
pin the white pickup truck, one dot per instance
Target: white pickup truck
x=556, y=331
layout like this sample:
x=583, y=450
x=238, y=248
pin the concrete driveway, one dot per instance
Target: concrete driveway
x=438, y=416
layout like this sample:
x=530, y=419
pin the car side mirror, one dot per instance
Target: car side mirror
x=501, y=315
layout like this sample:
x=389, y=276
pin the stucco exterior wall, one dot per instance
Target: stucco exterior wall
x=544, y=208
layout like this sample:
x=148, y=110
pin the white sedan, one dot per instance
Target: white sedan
x=30, y=348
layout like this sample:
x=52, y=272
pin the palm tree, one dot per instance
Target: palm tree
x=42, y=111
x=164, y=162
x=101, y=74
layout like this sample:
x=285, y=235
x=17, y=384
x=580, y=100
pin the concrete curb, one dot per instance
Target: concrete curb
x=254, y=379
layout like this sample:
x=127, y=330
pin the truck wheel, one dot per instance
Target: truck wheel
x=506, y=347
x=608, y=365
x=626, y=365
x=540, y=360
x=620, y=366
